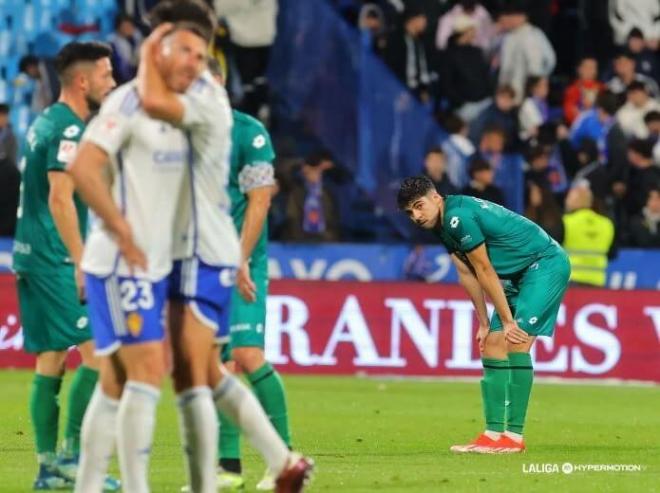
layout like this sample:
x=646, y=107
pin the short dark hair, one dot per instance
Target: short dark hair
x=453, y=123
x=315, y=158
x=624, y=53
x=76, y=52
x=123, y=17
x=412, y=188
x=26, y=61
x=4, y=109
x=589, y=147
x=478, y=164
x=435, y=150
x=636, y=32
x=531, y=83
x=506, y=89
x=643, y=147
x=636, y=85
x=608, y=102
x=652, y=116
x=192, y=15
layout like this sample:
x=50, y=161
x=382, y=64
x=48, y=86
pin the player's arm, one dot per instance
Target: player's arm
x=87, y=172
x=63, y=210
x=158, y=101
x=491, y=284
x=469, y=281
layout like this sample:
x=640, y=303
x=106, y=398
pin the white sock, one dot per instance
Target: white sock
x=242, y=407
x=97, y=442
x=517, y=437
x=136, y=420
x=198, y=420
x=493, y=435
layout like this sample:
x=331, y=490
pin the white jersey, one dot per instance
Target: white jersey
x=147, y=165
x=207, y=230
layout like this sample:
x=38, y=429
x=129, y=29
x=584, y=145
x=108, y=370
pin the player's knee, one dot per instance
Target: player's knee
x=145, y=365
x=89, y=359
x=249, y=359
x=495, y=346
x=51, y=363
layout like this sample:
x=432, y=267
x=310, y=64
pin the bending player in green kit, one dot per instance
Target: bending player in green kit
x=251, y=186
x=52, y=222
x=489, y=243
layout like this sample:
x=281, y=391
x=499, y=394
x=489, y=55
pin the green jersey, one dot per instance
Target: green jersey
x=513, y=242
x=52, y=141
x=251, y=167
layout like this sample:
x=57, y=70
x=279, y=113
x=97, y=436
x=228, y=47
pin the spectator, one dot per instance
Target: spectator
x=625, y=15
x=534, y=111
x=501, y=113
x=10, y=183
x=525, y=50
x=8, y=146
x=543, y=209
x=492, y=146
x=581, y=94
x=538, y=171
x=252, y=30
x=464, y=73
x=588, y=238
x=406, y=55
x=475, y=12
x=652, y=121
x=125, y=42
x=624, y=74
x=372, y=21
x=481, y=182
x=600, y=125
x=434, y=168
x=458, y=150
x=311, y=211
x=631, y=115
x=646, y=62
x=587, y=169
x=645, y=227
x=643, y=175
x=31, y=88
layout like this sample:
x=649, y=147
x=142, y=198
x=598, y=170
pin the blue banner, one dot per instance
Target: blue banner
x=632, y=269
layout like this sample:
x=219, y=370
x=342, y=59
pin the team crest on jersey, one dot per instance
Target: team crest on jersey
x=67, y=151
x=134, y=323
x=259, y=141
x=71, y=131
x=453, y=222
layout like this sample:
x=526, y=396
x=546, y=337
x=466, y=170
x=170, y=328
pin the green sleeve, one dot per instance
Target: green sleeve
x=257, y=147
x=63, y=147
x=464, y=229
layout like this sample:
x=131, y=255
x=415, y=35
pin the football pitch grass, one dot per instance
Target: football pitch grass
x=379, y=435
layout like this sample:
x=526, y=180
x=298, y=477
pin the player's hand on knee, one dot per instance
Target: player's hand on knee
x=482, y=334
x=514, y=334
x=245, y=284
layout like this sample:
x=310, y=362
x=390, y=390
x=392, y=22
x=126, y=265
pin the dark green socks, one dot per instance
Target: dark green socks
x=520, y=388
x=493, y=392
x=82, y=388
x=269, y=389
x=45, y=412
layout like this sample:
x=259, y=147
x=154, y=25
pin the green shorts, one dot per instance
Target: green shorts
x=247, y=321
x=535, y=294
x=51, y=314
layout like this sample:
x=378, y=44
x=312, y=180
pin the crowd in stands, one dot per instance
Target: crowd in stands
x=490, y=71
x=568, y=90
